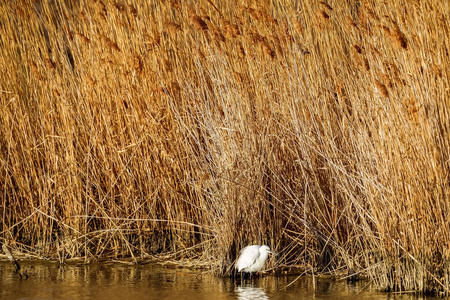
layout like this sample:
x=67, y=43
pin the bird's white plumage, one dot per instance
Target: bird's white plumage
x=252, y=258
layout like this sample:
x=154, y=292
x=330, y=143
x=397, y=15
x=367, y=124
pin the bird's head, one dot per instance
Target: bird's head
x=267, y=249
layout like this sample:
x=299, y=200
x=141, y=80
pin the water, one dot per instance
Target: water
x=117, y=281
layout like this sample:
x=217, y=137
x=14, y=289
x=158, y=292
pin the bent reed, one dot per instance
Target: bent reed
x=185, y=130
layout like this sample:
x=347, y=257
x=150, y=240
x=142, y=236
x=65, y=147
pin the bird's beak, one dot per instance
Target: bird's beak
x=272, y=252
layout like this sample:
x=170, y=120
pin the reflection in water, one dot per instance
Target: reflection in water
x=116, y=281
x=250, y=292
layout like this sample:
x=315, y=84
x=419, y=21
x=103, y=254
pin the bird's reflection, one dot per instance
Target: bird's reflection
x=250, y=292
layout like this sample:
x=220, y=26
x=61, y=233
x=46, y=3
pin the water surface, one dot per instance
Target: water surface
x=117, y=281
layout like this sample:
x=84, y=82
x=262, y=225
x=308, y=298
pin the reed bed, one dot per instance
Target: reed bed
x=187, y=129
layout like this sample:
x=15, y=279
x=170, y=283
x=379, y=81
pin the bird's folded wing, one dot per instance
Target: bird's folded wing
x=247, y=257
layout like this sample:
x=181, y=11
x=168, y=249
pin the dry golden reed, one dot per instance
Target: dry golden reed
x=50, y=64
x=323, y=15
x=325, y=5
x=101, y=10
x=381, y=88
x=359, y=57
x=109, y=43
x=56, y=93
x=232, y=31
x=133, y=10
x=34, y=70
x=152, y=40
x=319, y=130
x=198, y=22
x=267, y=48
x=172, y=27
x=350, y=22
x=82, y=37
x=175, y=4
x=136, y=62
x=298, y=27
x=398, y=38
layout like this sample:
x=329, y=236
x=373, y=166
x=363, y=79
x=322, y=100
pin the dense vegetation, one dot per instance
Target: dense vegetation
x=188, y=129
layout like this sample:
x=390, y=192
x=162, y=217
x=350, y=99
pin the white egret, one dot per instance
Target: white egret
x=252, y=258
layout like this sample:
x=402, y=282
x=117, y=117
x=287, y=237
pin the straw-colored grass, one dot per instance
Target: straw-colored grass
x=188, y=129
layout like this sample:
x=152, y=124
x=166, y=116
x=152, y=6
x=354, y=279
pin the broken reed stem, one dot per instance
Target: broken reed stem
x=14, y=262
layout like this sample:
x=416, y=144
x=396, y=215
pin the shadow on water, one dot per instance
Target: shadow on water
x=117, y=281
